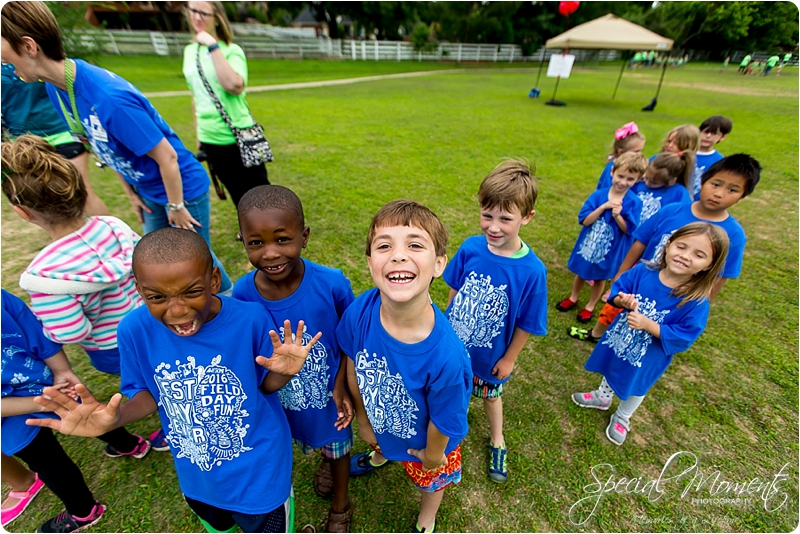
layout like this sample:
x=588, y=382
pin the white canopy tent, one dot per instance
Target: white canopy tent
x=610, y=32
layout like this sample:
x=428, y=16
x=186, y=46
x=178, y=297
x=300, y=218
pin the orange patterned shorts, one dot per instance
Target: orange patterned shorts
x=608, y=314
x=432, y=481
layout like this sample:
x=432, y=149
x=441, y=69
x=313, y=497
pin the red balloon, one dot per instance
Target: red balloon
x=565, y=8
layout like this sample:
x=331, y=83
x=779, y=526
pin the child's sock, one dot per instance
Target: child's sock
x=604, y=392
x=627, y=407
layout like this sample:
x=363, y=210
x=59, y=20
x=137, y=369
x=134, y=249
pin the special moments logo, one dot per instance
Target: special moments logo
x=691, y=482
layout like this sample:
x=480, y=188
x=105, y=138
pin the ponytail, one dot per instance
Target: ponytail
x=679, y=167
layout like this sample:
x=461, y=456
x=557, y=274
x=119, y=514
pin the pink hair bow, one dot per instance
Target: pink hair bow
x=626, y=130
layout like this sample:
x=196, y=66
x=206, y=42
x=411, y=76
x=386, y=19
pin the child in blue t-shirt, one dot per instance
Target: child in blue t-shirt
x=197, y=359
x=659, y=185
x=409, y=367
x=608, y=218
x=725, y=183
x=498, y=294
x=666, y=309
x=316, y=402
x=627, y=138
x=31, y=362
x=713, y=131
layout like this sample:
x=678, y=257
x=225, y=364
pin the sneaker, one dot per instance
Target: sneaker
x=24, y=498
x=498, y=471
x=585, y=316
x=566, y=304
x=590, y=400
x=64, y=522
x=158, y=441
x=361, y=463
x=139, y=451
x=582, y=334
x=617, y=429
x=417, y=529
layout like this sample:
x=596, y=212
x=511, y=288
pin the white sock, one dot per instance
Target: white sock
x=604, y=392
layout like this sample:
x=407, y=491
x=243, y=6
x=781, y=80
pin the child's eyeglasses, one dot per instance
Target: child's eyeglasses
x=201, y=14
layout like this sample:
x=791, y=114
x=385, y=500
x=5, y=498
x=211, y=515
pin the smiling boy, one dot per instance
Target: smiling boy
x=193, y=356
x=407, y=369
x=498, y=294
x=286, y=286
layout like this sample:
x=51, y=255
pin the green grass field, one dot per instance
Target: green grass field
x=731, y=401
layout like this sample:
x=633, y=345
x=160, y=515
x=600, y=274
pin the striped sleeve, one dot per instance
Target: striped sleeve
x=62, y=317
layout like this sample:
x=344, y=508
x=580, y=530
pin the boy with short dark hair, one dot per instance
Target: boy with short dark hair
x=192, y=356
x=315, y=400
x=724, y=184
x=408, y=371
x=713, y=131
x=498, y=294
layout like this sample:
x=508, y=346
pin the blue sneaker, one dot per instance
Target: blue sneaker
x=158, y=440
x=361, y=463
x=498, y=471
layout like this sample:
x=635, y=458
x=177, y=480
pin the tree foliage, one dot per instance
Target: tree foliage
x=70, y=17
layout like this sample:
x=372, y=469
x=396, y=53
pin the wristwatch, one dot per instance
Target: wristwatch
x=175, y=207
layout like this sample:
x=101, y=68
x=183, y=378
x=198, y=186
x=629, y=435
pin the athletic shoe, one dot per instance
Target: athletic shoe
x=64, y=522
x=361, y=463
x=158, y=441
x=585, y=316
x=139, y=451
x=498, y=470
x=24, y=498
x=590, y=400
x=617, y=429
x=566, y=304
x=582, y=334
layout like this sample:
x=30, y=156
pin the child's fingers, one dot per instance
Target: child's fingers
x=276, y=339
x=53, y=424
x=298, y=336
x=262, y=361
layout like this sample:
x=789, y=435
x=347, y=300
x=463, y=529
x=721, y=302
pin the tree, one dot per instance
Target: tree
x=77, y=44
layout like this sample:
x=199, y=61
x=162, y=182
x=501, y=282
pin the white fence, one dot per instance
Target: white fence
x=172, y=43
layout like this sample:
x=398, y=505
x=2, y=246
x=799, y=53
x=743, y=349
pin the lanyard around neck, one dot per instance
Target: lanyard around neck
x=69, y=78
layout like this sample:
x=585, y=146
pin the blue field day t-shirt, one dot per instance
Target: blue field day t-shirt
x=406, y=386
x=606, y=176
x=655, y=199
x=319, y=301
x=122, y=127
x=632, y=360
x=658, y=229
x=703, y=162
x=230, y=441
x=24, y=373
x=602, y=246
x=495, y=296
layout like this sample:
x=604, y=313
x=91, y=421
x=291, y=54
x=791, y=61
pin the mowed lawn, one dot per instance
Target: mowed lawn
x=730, y=404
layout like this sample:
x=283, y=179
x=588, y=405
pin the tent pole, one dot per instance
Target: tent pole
x=541, y=64
x=663, y=71
x=619, y=78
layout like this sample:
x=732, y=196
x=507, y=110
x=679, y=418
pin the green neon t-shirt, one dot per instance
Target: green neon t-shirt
x=771, y=62
x=211, y=128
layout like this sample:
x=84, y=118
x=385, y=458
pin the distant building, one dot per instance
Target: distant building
x=157, y=16
x=308, y=19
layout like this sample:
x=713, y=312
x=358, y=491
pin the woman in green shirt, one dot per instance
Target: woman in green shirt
x=225, y=67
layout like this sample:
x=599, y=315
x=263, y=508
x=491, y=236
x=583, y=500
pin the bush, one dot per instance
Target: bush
x=421, y=38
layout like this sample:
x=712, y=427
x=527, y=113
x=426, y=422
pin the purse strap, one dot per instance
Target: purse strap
x=73, y=119
x=217, y=103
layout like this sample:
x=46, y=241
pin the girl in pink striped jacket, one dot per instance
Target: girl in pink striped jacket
x=81, y=285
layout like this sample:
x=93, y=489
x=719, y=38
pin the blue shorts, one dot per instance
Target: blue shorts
x=105, y=361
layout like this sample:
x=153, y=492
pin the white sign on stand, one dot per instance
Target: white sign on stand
x=560, y=65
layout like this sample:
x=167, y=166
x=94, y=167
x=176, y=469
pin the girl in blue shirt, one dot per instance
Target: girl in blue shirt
x=608, y=218
x=666, y=309
x=627, y=138
x=31, y=362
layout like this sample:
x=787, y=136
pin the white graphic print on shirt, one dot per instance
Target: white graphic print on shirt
x=204, y=406
x=388, y=405
x=309, y=387
x=630, y=344
x=660, y=246
x=650, y=205
x=479, y=311
x=597, y=242
x=107, y=156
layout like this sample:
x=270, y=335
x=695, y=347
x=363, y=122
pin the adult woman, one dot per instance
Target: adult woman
x=165, y=184
x=225, y=68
